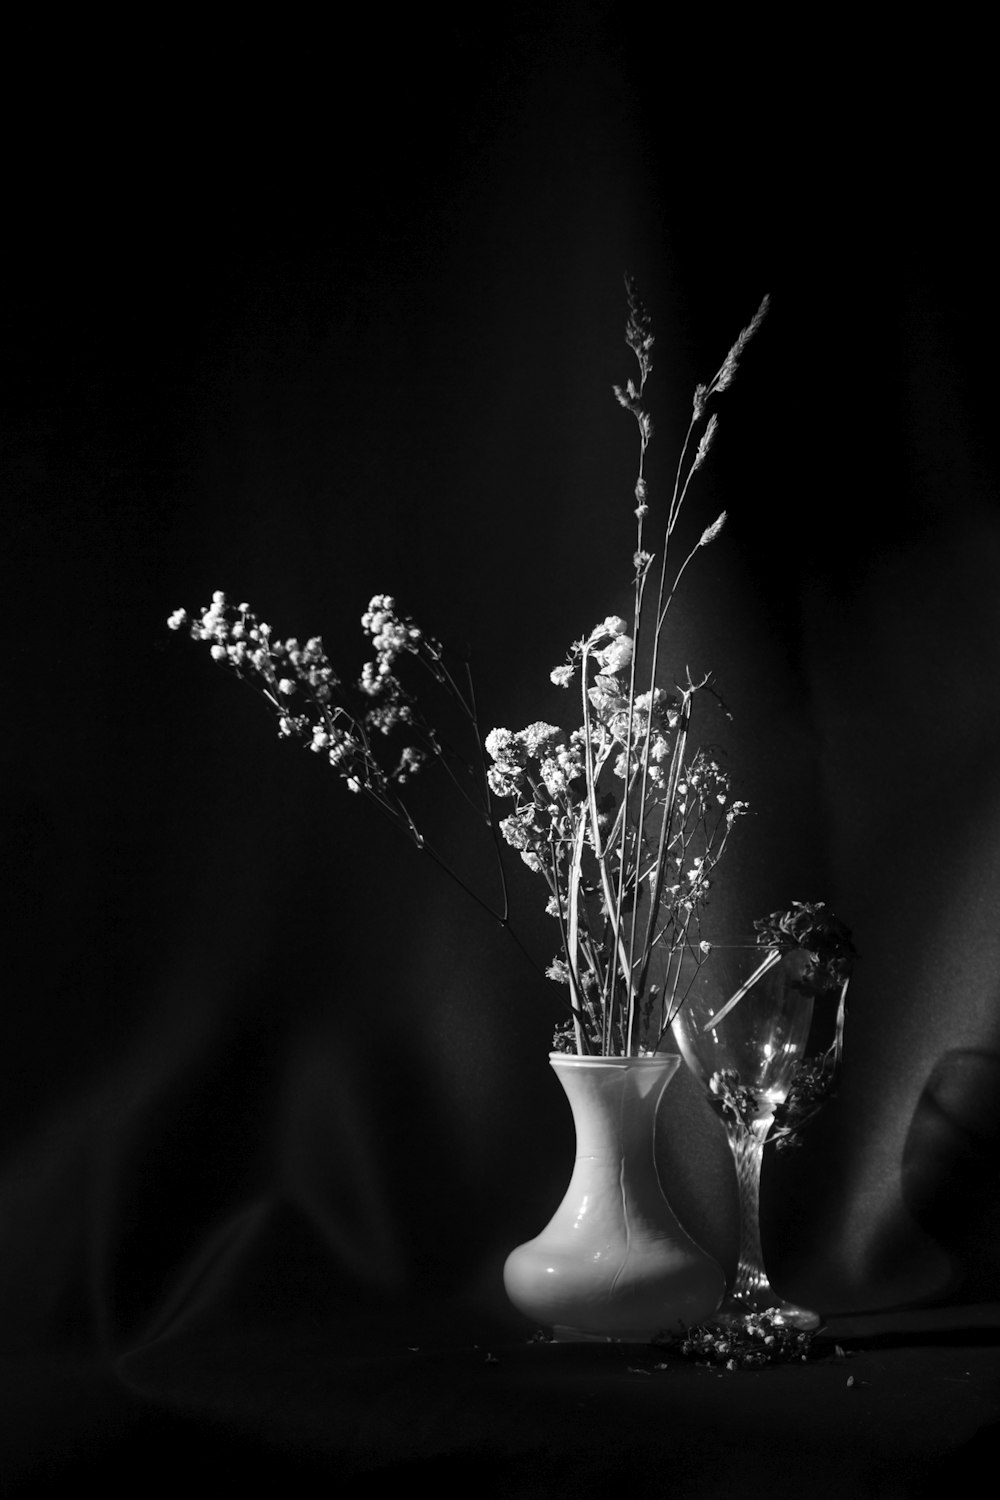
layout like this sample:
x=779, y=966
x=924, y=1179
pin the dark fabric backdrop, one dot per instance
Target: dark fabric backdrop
x=306, y=317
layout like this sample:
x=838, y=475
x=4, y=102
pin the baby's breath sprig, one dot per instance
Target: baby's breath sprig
x=351, y=723
x=312, y=703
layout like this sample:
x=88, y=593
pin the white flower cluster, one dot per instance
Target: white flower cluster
x=543, y=771
x=390, y=635
x=281, y=670
x=334, y=720
x=616, y=656
x=242, y=641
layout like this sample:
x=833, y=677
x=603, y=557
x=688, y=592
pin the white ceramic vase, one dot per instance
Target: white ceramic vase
x=613, y=1262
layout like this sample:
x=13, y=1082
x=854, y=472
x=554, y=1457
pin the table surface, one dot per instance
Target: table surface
x=893, y=1404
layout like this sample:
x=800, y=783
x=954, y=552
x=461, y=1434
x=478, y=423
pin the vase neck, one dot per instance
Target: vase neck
x=614, y=1104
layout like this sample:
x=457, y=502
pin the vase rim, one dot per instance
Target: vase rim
x=574, y=1059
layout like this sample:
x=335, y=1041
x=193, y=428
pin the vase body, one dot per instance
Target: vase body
x=755, y=1047
x=613, y=1262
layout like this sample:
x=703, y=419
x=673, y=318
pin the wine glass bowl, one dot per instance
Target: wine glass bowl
x=763, y=1037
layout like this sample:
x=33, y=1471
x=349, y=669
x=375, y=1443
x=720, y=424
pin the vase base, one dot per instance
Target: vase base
x=563, y=1335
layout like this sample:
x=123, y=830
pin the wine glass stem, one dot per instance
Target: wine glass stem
x=751, y=1285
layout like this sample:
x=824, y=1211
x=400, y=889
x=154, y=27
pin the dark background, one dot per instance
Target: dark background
x=310, y=316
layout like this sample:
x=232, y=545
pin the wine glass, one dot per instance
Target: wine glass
x=743, y=1029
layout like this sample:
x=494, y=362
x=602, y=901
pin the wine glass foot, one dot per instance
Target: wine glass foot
x=735, y=1310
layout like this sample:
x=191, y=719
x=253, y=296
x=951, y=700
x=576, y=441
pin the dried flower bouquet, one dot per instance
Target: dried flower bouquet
x=624, y=816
